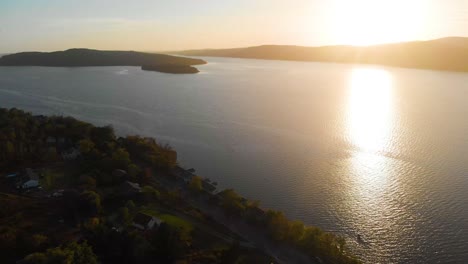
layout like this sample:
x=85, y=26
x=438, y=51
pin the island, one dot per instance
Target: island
x=71, y=192
x=171, y=68
x=89, y=57
x=447, y=54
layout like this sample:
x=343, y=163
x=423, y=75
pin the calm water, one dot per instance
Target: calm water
x=379, y=152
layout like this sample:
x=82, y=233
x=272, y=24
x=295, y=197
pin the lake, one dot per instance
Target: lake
x=375, y=152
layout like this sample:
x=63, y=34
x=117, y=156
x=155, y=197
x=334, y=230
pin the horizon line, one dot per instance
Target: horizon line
x=248, y=46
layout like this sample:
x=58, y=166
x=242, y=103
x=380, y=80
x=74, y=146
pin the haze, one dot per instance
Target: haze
x=149, y=25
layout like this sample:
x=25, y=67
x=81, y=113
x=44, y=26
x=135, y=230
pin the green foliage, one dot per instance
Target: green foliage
x=149, y=151
x=312, y=240
x=170, y=243
x=86, y=146
x=101, y=135
x=73, y=253
x=91, y=202
x=120, y=159
x=150, y=193
x=133, y=171
x=50, y=178
x=232, y=202
x=183, y=226
x=24, y=139
x=131, y=206
x=38, y=240
x=87, y=182
x=124, y=216
x=196, y=184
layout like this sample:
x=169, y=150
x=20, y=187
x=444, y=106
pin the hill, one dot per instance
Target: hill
x=450, y=54
x=89, y=57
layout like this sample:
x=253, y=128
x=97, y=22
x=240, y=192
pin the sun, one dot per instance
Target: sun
x=368, y=22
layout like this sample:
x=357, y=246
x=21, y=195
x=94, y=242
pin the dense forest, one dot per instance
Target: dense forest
x=89, y=206
x=89, y=57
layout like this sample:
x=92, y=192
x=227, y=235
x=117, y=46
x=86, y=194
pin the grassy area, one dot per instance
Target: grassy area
x=170, y=219
x=176, y=222
x=52, y=177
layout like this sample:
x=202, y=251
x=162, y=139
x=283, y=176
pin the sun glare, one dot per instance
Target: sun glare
x=368, y=22
x=370, y=109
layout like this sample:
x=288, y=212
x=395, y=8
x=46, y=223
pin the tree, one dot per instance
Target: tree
x=150, y=193
x=102, y=135
x=121, y=159
x=278, y=225
x=37, y=241
x=91, y=202
x=133, y=171
x=124, y=216
x=232, y=202
x=87, y=182
x=170, y=243
x=131, y=206
x=73, y=253
x=85, y=146
x=196, y=184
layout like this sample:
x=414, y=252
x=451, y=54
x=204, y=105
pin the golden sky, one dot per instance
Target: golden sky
x=188, y=24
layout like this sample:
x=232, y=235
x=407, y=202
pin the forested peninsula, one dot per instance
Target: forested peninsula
x=89, y=57
x=71, y=192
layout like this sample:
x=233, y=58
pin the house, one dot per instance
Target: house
x=207, y=186
x=143, y=221
x=129, y=188
x=30, y=184
x=30, y=179
x=58, y=193
x=185, y=175
x=71, y=154
x=119, y=173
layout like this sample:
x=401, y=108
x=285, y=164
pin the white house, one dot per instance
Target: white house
x=30, y=184
x=146, y=222
x=30, y=179
x=71, y=154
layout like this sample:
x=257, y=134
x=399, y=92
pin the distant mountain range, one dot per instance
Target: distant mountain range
x=88, y=57
x=450, y=54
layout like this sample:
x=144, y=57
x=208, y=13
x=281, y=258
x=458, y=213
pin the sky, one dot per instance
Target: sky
x=160, y=25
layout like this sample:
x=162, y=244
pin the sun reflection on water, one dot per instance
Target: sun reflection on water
x=369, y=122
x=369, y=109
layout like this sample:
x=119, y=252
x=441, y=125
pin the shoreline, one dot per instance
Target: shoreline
x=133, y=160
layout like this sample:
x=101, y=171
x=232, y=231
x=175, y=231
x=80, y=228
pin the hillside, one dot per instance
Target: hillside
x=88, y=57
x=71, y=192
x=450, y=54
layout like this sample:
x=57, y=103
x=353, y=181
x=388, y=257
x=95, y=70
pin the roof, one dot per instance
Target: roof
x=186, y=174
x=208, y=186
x=258, y=210
x=134, y=185
x=119, y=173
x=142, y=219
